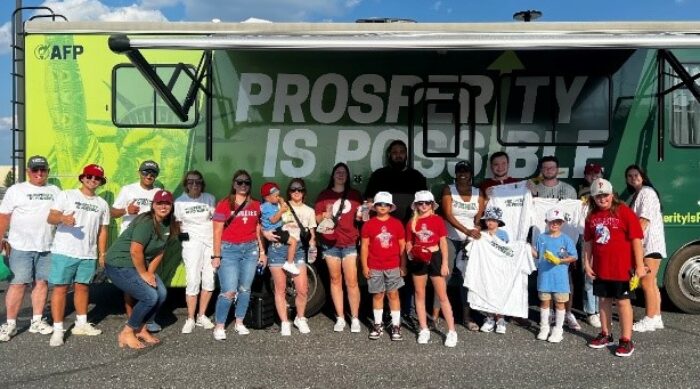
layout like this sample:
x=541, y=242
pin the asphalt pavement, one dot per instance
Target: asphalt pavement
x=324, y=359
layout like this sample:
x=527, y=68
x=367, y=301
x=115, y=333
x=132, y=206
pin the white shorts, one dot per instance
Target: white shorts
x=198, y=269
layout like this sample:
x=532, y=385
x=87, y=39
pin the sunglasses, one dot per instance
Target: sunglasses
x=299, y=189
x=419, y=203
x=194, y=182
x=243, y=182
x=91, y=177
x=39, y=169
x=147, y=173
x=382, y=205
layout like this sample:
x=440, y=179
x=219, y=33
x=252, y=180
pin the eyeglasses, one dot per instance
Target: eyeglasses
x=147, y=173
x=39, y=169
x=299, y=189
x=243, y=182
x=382, y=205
x=91, y=177
x=194, y=182
x=419, y=203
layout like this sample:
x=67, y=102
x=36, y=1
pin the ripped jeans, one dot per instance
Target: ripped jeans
x=236, y=275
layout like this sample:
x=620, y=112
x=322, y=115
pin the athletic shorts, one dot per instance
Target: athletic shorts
x=619, y=290
x=67, y=270
x=558, y=297
x=384, y=280
x=432, y=268
x=653, y=256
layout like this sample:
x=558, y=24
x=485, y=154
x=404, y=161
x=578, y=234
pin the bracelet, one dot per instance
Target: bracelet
x=215, y=256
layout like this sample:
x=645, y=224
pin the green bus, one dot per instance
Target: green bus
x=291, y=100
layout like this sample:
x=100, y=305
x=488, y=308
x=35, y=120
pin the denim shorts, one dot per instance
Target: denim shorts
x=384, y=280
x=339, y=252
x=66, y=270
x=29, y=266
x=277, y=255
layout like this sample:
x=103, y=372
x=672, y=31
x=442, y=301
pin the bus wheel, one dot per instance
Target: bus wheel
x=316, y=295
x=682, y=279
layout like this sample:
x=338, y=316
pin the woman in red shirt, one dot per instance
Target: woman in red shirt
x=237, y=251
x=426, y=244
x=336, y=212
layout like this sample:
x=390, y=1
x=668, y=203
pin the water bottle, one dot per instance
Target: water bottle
x=313, y=252
x=365, y=211
x=260, y=269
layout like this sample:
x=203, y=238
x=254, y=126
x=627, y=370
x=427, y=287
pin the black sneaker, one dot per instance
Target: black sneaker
x=601, y=341
x=395, y=332
x=625, y=348
x=376, y=331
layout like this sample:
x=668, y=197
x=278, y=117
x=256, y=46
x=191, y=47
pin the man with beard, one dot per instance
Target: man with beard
x=397, y=178
x=499, y=163
x=550, y=187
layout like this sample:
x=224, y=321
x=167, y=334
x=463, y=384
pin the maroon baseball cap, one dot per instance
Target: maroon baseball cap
x=163, y=196
x=592, y=168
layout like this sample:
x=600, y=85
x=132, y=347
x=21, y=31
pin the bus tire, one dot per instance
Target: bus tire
x=682, y=279
x=316, y=298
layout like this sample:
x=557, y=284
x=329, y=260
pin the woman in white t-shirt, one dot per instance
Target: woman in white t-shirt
x=646, y=205
x=462, y=207
x=193, y=210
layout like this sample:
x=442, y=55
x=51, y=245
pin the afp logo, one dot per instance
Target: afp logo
x=58, y=52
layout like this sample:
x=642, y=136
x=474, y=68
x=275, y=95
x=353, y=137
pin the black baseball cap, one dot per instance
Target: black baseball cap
x=37, y=162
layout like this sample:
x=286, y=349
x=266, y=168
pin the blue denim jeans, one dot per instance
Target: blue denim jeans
x=236, y=274
x=149, y=299
x=590, y=301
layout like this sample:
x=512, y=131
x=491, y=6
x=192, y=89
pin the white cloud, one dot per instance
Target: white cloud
x=76, y=10
x=5, y=38
x=275, y=10
x=5, y=123
x=437, y=5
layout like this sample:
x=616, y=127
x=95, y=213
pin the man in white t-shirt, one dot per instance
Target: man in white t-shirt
x=550, y=187
x=24, y=210
x=82, y=219
x=133, y=200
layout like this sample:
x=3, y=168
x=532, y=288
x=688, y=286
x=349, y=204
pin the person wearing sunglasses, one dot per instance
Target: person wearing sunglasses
x=135, y=199
x=24, y=211
x=238, y=249
x=193, y=211
x=82, y=219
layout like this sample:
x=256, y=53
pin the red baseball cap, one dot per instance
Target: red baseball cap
x=269, y=188
x=592, y=168
x=95, y=171
x=163, y=196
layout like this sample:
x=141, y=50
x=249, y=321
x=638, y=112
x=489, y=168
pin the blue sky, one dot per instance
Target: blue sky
x=328, y=11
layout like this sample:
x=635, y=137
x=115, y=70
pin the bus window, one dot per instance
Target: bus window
x=685, y=115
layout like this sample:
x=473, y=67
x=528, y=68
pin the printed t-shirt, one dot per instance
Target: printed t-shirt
x=243, y=228
x=497, y=276
x=611, y=239
x=90, y=213
x=267, y=211
x=195, y=216
x=515, y=200
x=344, y=234
x=306, y=216
x=29, y=206
x=560, y=191
x=490, y=182
x=574, y=216
x=119, y=254
x=384, y=236
x=463, y=211
x=136, y=194
x=554, y=278
x=428, y=231
x=646, y=205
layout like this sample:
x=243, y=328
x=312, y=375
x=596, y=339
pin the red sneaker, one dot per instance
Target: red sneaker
x=625, y=348
x=601, y=341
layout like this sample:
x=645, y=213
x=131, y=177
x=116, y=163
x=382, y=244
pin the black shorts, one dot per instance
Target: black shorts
x=654, y=256
x=420, y=268
x=619, y=290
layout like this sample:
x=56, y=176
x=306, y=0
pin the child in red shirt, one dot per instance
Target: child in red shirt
x=383, y=257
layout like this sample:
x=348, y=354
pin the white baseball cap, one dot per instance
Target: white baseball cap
x=554, y=214
x=601, y=186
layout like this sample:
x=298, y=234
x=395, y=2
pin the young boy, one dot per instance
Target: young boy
x=384, y=263
x=491, y=220
x=272, y=210
x=555, y=251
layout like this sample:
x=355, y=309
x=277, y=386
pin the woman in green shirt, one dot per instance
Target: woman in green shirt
x=131, y=264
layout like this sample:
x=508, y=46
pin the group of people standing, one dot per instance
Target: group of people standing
x=394, y=225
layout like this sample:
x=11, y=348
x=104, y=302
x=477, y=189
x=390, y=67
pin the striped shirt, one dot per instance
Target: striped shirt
x=561, y=191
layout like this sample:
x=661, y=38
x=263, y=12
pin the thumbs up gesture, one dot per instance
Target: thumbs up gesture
x=68, y=219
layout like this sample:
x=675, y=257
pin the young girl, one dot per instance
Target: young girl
x=427, y=245
x=555, y=252
x=612, y=249
x=490, y=223
x=384, y=263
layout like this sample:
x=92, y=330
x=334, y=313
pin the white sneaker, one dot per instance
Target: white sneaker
x=355, y=325
x=594, y=320
x=424, y=336
x=219, y=334
x=302, y=324
x=40, y=327
x=290, y=268
x=556, y=336
x=286, y=328
x=56, y=339
x=241, y=329
x=658, y=322
x=488, y=325
x=450, y=339
x=87, y=329
x=339, y=325
x=188, y=327
x=7, y=331
x=647, y=324
x=501, y=326
x=570, y=320
x=204, y=322
x=544, y=332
